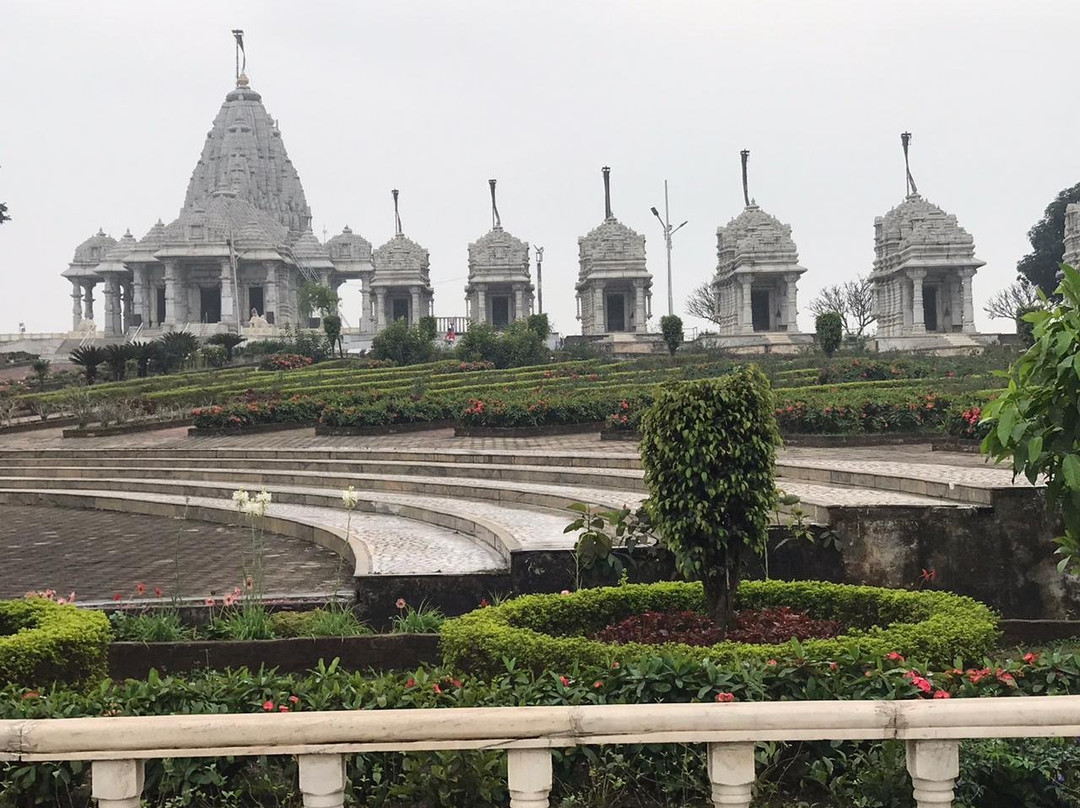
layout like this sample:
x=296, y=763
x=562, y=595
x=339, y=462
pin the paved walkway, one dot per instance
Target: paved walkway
x=100, y=553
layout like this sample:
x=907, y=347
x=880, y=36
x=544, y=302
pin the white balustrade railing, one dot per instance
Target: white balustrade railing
x=117, y=747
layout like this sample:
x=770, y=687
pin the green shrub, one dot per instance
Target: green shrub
x=708, y=451
x=42, y=643
x=426, y=325
x=672, y=330
x=539, y=325
x=829, y=330
x=553, y=631
x=401, y=344
x=331, y=622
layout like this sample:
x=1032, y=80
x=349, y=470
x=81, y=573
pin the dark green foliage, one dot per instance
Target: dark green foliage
x=331, y=324
x=517, y=345
x=708, y=451
x=426, y=326
x=227, y=340
x=401, y=344
x=143, y=353
x=43, y=643
x=829, y=329
x=539, y=325
x=41, y=372
x=552, y=631
x=176, y=348
x=1036, y=422
x=316, y=297
x=1047, y=237
x=1024, y=329
x=88, y=357
x=117, y=356
x=478, y=344
x=671, y=328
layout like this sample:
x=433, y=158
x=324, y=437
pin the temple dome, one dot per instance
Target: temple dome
x=244, y=155
x=349, y=246
x=754, y=237
x=92, y=251
x=611, y=241
x=498, y=249
x=401, y=255
x=917, y=221
x=311, y=252
x=118, y=254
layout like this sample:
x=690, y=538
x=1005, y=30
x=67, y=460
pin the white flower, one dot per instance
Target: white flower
x=263, y=498
x=253, y=508
x=240, y=497
x=350, y=497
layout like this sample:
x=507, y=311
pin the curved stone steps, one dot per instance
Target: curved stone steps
x=818, y=502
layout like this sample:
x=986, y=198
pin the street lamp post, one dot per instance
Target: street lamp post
x=540, y=279
x=669, y=231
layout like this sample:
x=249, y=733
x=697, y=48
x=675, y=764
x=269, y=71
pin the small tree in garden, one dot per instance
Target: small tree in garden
x=708, y=450
x=227, y=340
x=1036, y=421
x=88, y=357
x=671, y=328
x=539, y=325
x=830, y=331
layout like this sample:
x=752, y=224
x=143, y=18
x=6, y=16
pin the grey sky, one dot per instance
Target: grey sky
x=104, y=107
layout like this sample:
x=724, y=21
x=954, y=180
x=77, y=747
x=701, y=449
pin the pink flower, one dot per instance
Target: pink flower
x=400, y=603
x=436, y=688
x=294, y=699
x=283, y=709
x=725, y=698
x=117, y=596
x=411, y=682
x=892, y=656
x=268, y=706
x=1029, y=659
x=483, y=603
x=565, y=592
x=31, y=694
x=597, y=684
x=942, y=694
x=209, y=601
x=565, y=681
x=771, y=663
x=140, y=588
x=157, y=592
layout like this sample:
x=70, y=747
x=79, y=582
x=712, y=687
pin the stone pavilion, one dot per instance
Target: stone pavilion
x=614, y=289
x=499, y=289
x=401, y=281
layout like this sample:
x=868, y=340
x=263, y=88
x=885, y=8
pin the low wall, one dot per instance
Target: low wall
x=525, y=431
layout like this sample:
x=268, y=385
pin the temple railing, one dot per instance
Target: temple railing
x=118, y=746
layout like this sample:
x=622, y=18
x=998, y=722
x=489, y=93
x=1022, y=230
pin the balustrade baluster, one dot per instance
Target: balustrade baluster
x=529, y=777
x=731, y=772
x=322, y=780
x=934, y=767
x=116, y=783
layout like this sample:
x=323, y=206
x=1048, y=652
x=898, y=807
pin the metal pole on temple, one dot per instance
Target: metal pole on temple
x=540, y=279
x=607, y=192
x=745, y=154
x=905, y=139
x=496, y=222
x=238, y=35
x=397, y=216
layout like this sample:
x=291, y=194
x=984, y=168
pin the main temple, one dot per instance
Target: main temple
x=237, y=254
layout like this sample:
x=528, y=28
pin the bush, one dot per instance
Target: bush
x=552, y=631
x=671, y=328
x=519, y=345
x=426, y=325
x=281, y=361
x=708, y=451
x=44, y=643
x=858, y=370
x=213, y=355
x=829, y=328
x=539, y=325
x=401, y=344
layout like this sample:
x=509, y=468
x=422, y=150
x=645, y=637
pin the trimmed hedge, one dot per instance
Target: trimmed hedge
x=938, y=627
x=44, y=643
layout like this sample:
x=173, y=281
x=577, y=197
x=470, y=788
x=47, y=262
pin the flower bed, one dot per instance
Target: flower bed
x=553, y=630
x=771, y=626
x=281, y=361
x=43, y=642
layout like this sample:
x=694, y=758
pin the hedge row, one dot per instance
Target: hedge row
x=43, y=642
x=553, y=631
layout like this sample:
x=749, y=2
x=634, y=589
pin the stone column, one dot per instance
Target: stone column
x=228, y=300
x=117, y=783
x=639, y=307
x=88, y=301
x=746, y=312
x=335, y=285
x=138, y=290
x=76, y=305
x=480, y=313
x=519, y=303
x=173, y=294
x=270, y=293
x=528, y=776
x=414, y=306
x=792, y=315
x=112, y=300
x=918, y=318
x=934, y=767
x=129, y=308
x=967, y=324
x=322, y=780
x=365, y=307
x=377, y=314
x=731, y=773
x=599, y=321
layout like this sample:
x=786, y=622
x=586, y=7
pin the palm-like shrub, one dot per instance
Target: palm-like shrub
x=88, y=357
x=177, y=347
x=117, y=356
x=143, y=353
x=228, y=341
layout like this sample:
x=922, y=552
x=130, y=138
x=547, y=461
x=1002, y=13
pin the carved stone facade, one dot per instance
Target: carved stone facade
x=401, y=283
x=614, y=289
x=237, y=253
x=1072, y=235
x=923, y=269
x=500, y=289
x=757, y=273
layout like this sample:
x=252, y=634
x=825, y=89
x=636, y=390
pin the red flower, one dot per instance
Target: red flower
x=400, y=603
x=614, y=665
x=157, y=592
x=1031, y=658
x=919, y=682
x=268, y=706
x=725, y=698
x=771, y=663
x=436, y=688
x=294, y=699
x=565, y=681
x=117, y=596
x=942, y=694
x=31, y=694
x=283, y=709
x=140, y=588
x=483, y=603
x=597, y=684
x=455, y=682
x=894, y=657
x=833, y=666
x=929, y=575
x=411, y=682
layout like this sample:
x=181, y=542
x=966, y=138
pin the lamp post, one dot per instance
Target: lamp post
x=540, y=279
x=669, y=231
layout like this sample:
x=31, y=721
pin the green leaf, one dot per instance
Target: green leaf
x=1070, y=470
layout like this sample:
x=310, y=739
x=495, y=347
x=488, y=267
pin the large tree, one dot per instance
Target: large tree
x=852, y=300
x=1017, y=298
x=1047, y=237
x=702, y=303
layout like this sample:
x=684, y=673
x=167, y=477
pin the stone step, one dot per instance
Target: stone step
x=819, y=503
x=619, y=479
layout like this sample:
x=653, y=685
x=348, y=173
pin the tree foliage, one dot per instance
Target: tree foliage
x=539, y=325
x=702, y=303
x=88, y=357
x=1036, y=422
x=1047, y=237
x=227, y=340
x=400, y=343
x=672, y=330
x=829, y=328
x=518, y=345
x=708, y=450
x=3, y=213
x=853, y=301
x=117, y=356
x=1012, y=302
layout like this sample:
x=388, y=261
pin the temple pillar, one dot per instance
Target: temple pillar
x=228, y=298
x=414, y=307
x=792, y=316
x=746, y=311
x=918, y=319
x=639, y=306
x=129, y=308
x=365, y=308
x=519, y=303
x=599, y=323
x=377, y=311
x=270, y=294
x=480, y=314
x=112, y=306
x=76, y=305
x=88, y=301
x=173, y=295
x=967, y=323
x=138, y=290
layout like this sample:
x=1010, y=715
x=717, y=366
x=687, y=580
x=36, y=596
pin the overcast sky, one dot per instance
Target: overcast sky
x=104, y=108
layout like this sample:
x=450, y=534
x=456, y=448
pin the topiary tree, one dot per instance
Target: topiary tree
x=1036, y=422
x=671, y=328
x=539, y=325
x=88, y=357
x=708, y=450
x=830, y=331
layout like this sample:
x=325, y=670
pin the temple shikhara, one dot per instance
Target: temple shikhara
x=499, y=289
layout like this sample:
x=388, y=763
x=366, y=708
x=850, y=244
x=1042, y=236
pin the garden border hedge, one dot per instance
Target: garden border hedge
x=933, y=627
x=46, y=642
